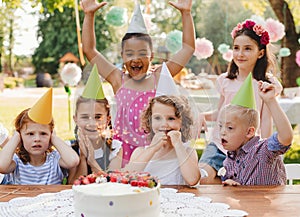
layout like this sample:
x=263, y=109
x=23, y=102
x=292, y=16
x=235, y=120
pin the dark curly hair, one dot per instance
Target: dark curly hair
x=182, y=111
x=20, y=122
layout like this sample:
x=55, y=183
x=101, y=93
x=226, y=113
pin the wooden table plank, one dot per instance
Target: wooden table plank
x=258, y=201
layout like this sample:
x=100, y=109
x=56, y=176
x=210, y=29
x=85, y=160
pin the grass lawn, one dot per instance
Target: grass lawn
x=13, y=101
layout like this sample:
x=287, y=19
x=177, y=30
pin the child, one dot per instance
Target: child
x=97, y=151
x=168, y=121
x=3, y=136
x=251, y=160
x=29, y=156
x=136, y=85
x=250, y=54
x=3, y=140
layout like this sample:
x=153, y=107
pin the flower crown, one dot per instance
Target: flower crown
x=258, y=29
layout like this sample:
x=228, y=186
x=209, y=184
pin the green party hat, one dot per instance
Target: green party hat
x=245, y=96
x=93, y=88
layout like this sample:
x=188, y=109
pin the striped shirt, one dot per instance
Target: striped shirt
x=258, y=162
x=47, y=174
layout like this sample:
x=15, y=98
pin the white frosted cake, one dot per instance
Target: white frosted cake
x=113, y=199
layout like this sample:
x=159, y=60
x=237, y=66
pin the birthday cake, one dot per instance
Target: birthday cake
x=117, y=194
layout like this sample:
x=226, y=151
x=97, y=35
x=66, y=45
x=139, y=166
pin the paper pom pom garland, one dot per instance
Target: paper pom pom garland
x=71, y=74
x=275, y=29
x=284, y=52
x=174, y=41
x=223, y=48
x=228, y=55
x=298, y=58
x=204, y=48
x=117, y=16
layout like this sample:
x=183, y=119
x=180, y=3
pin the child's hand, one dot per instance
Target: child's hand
x=230, y=182
x=91, y=6
x=182, y=5
x=175, y=137
x=159, y=140
x=82, y=142
x=266, y=90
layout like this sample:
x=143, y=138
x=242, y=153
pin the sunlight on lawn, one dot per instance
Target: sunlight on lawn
x=10, y=107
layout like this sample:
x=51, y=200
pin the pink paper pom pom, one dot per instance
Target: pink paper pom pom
x=204, y=48
x=275, y=29
x=298, y=58
x=228, y=55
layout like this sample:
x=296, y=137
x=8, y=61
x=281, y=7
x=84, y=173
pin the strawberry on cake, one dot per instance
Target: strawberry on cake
x=117, y=194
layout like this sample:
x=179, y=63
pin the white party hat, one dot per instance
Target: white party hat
x=137, y=23
x=166, y=84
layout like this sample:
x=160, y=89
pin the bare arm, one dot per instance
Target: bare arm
x=182, y=57
x=68, y=157
x=105, y=68
x=141, y=156
x=81, y=169
x=284, y=129
x=187, y=159
x=7, y=164
x=116, y=162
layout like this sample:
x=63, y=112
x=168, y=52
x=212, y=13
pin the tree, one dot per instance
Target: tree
x=288, y=13
x=288, y=65
x=7, y=28
x=57, y=32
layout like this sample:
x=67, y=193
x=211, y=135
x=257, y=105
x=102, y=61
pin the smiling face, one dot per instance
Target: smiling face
x=164, y=118
x=36, y=138
x=245, y=53
x=92, y=118
x=137, y=57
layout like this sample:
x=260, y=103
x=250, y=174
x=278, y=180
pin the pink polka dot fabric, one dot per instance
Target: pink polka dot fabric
x=130, y=104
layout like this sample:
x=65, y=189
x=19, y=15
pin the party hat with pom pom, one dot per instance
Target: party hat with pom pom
x=166, y=84
x=93, y=88
x=245, y=96
x=41, y=111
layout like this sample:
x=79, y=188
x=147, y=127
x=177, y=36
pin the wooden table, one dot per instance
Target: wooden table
x=258, y=201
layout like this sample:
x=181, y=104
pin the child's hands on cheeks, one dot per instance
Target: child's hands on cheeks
x=230, y=182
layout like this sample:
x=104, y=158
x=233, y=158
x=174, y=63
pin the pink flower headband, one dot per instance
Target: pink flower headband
x=258, y=29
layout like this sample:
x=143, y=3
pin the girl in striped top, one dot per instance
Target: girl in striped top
x=35, y=155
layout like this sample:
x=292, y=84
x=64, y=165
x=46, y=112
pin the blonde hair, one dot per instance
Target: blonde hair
x=248, y=116
x=182, y=111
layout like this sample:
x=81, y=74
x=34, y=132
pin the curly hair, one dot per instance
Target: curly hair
x=182, y=111
x=104, y=101
x=20, y=122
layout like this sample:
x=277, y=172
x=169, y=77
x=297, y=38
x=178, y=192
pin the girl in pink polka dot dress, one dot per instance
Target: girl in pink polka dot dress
x=136, y=84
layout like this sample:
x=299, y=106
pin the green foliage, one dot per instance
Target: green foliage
x=59, y=36
x=12, y=82
x=292, y=155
